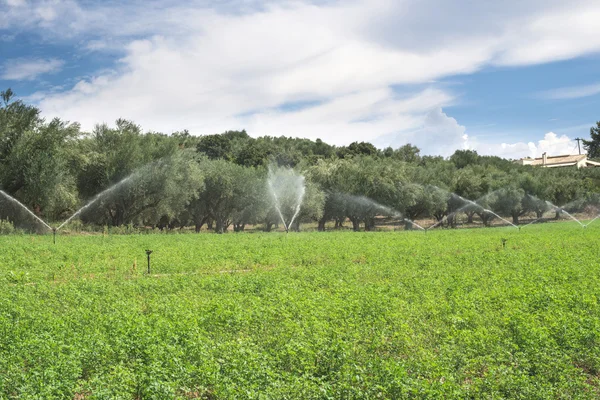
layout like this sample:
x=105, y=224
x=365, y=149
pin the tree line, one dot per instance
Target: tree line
x=167, y=181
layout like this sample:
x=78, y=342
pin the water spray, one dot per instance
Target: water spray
x=17, y=202
x=96, y=198
x=598, y=216
x=286, y=181
x=562, y=210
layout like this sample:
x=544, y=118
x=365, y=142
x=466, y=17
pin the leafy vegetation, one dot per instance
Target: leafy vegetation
x=169, y=181
x=476, y=313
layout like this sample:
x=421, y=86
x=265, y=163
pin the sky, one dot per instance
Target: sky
x=510, y=78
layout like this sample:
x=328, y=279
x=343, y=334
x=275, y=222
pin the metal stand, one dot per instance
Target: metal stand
x=148, y=252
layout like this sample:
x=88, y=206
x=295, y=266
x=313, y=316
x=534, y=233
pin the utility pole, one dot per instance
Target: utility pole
x=579, y=144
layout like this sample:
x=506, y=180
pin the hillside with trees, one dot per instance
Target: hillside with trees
x=219, y=180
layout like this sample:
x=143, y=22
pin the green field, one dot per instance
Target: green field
x=305, y=316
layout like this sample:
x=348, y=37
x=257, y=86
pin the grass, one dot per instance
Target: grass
x=449, y=314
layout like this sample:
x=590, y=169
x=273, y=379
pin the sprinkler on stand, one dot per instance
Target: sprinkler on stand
x=54, y=235
x=148, y=252
x=504, y=243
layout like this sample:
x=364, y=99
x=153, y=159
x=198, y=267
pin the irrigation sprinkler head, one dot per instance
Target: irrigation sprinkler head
x=504, y=243
x=54, y=235
x=148, y=252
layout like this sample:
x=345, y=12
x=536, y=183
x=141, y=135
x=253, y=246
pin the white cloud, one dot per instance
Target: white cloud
x=205, y=69
x=363, y=116
x=552, y=144
x=28, y=69
x=573, y=92
x=16, y=3
x=435, y=133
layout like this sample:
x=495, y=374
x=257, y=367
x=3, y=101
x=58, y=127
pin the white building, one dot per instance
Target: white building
x=579, y=161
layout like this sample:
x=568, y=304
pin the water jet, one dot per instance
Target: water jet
x=17, y=202
x=287, y=190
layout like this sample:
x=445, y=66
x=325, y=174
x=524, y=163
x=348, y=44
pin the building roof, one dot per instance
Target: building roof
x=579, y=160
x=566, y=160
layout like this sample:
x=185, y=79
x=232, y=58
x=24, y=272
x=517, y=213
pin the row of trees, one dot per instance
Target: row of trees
x=149, y=178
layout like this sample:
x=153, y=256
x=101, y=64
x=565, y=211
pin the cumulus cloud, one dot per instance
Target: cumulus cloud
x=210, y=69
x=552, y=144
x=435, y=133
x=29, y=69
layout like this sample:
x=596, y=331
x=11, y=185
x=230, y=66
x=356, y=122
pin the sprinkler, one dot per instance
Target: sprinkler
x=504, y=243
x=54, y=235
x=148, y=252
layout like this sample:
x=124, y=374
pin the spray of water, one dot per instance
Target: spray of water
x=100, y=195
x=276, y=204
x=452, y=214
x=414, y=223
x=296, y=213
x=469, y=203
x=17, y=202
x=562, y=210
x=531, y=223
x=366, y=205
x=287, y=189
x=595, y=218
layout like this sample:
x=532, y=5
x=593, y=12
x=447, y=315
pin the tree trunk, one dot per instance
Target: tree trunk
x=470, y=215
x=219, y=225
x=539, y=214
x=268, y=226
x=296, y=226
x=198, y=224
x=355, y=224
x=515, y=218
x=485, y=218
x=209, y=224
x=439, y=216
x=451, y=221
x=321, y=227
x=369, y=224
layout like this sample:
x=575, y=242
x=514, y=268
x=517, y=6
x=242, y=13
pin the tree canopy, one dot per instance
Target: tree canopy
x=220, y=180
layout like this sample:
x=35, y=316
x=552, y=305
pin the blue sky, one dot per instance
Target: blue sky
x=513, y=79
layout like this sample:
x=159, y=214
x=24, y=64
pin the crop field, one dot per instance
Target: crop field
x=453, y=314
